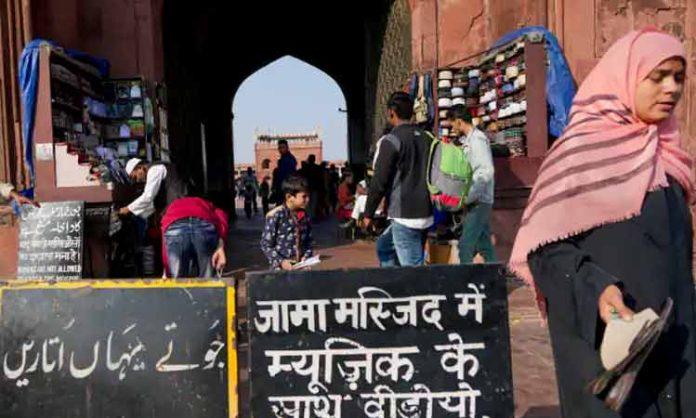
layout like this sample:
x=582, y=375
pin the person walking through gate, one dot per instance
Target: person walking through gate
x=400, y=176
x=334, y=181
x=315, y=179
x=265, y=193
x=251, y=186
x=608, y=229
x=287, y=165
x=476, y=228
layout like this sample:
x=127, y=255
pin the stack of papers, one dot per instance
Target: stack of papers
x=311, y=261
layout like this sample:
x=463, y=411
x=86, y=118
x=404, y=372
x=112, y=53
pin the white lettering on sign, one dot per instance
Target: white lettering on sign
x=277, y=316
x=385, y=403
x=472, y=301
x=49, y=356
x=456, y=357
x=316, y=405
x=354, y=362
x=381, y=354
x=373, y=306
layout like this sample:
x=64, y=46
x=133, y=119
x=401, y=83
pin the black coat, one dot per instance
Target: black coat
x=650, y=258
x=401, y=175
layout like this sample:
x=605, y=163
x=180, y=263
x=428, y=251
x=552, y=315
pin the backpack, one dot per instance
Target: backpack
x=449, y=175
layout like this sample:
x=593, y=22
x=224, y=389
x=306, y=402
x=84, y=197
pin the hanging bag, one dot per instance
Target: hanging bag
x=420, y=106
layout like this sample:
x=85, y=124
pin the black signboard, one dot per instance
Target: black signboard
x=401, y=342
x=126, y=349
x=50, y=241
x=96, y=241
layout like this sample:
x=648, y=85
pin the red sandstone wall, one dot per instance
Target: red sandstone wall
x=9, y=247
x=301, y=153
x=126, y=32
x=444, y=31
x=612, y=18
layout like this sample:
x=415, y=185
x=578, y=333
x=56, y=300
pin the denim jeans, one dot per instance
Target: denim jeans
x=190, y=244
x=476, y=235
x=401, y=246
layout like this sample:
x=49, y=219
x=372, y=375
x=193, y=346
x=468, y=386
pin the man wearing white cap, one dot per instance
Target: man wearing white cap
x=153, y=176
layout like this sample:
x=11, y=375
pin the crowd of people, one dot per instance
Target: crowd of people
x=393, y=199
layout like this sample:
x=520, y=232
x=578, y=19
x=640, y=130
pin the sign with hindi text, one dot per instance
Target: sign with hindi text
x=419, y=342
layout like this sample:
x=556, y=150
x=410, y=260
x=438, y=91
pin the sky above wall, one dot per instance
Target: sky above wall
x=289, y=96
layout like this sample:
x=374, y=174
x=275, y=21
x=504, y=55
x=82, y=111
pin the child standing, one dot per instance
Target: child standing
x=287, y=236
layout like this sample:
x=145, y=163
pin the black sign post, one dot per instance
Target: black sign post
x=403, y=342
x=50, y=241
x=126, y=349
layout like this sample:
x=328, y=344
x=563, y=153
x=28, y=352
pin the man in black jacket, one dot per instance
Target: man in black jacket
x=400, y=177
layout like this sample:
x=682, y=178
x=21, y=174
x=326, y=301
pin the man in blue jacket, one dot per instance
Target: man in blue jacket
x=287, y=166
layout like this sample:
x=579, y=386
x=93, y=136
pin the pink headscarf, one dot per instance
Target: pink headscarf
x=601, y=168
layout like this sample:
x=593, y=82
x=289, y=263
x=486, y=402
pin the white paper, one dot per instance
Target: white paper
x=311, y=261
x=619, y=336
x=44, y=152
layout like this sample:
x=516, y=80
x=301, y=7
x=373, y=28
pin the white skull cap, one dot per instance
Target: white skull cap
x=131, y=164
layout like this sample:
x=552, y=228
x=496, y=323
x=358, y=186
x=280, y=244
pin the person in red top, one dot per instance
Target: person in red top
x=346, y=198
x=194, y=233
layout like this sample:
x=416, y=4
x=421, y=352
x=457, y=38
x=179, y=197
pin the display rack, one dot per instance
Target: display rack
x=80, y=116
x=504, y=90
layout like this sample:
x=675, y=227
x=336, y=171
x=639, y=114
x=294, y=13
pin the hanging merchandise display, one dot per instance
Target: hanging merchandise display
x=444, y=103
x=137, y=111
x=92, y=123
x=135, y=90
x=420, y=90
x=560, y=87
x=494, y=90
x=420, y=106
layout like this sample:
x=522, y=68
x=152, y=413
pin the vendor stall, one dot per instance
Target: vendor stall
x=83, y=128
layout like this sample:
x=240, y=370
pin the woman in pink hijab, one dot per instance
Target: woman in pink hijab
x=608, y=230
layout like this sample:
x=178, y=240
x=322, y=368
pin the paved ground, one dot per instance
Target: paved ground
x=532, y=362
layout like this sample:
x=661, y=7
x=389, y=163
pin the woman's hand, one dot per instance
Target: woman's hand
x=286, y=265
x=611, y=302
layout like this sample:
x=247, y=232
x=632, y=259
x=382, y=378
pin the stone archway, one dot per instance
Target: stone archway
x=394, y=57
x=211, y=47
